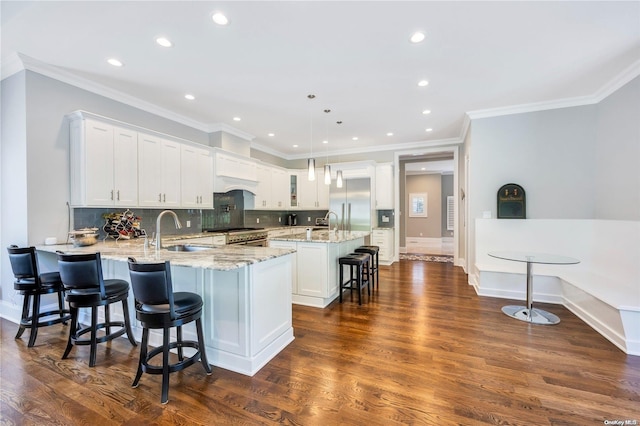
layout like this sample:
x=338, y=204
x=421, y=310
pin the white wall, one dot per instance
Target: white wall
x=618, y=155
x=13, y=182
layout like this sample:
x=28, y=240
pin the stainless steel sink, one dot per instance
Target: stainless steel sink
x=187, y=248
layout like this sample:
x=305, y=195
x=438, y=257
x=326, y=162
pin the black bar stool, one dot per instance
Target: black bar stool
x=32, y=284
x=85, y=287
x=373, y=251
x=158, y=307
x=356, y=263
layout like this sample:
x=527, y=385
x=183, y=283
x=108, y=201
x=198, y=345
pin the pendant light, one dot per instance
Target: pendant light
x=339, y=173
x=327, y=167
x=311, y=162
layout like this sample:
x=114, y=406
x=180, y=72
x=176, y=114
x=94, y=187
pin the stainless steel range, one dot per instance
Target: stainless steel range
x=256, y=237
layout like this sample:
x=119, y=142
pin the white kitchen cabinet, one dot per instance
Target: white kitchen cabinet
x=384, y=187
x=263, y=198
x=196, y=177
x=158, y=172
x=383, y=238
x=312, y=194
x=291, y=245
x=280, y=184
x=103, y=164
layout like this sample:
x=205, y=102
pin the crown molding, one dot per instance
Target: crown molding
x=222, y=127
x=85, y=84
x=607, y=89
x=10, y=66
x=617, y=82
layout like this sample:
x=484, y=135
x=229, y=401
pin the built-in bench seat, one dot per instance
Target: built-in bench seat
x=603, y=289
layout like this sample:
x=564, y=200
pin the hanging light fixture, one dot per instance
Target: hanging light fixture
x=327, y=167
x=339, y=172
x=311, y=162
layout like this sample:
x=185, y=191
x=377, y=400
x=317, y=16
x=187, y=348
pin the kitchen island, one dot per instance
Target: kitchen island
x=246, y=292
x=315, y=270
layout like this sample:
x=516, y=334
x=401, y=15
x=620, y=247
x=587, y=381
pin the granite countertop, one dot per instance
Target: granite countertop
x=222, y=258
x=323, y=236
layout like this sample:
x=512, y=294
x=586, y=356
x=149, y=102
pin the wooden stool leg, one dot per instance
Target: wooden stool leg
x=35, y=319
x=203, y=352
x=143, y=357
x=24, y=318
x=165, y=366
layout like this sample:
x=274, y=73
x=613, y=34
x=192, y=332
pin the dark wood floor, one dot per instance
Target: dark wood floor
x=423, y=350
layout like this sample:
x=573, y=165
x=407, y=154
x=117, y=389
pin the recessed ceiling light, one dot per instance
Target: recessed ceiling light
x=295, y=146
x=426, y=111
x=114, y=62
x=236, y=119
x=390, y=134
x=423, y=168
x=325, y=142
x=164, y=42
x=271, y=134
x=417, y=37
x=428, y=130
x=189, y=96
x=423, y=83
x=220, y=19
x=355, y=138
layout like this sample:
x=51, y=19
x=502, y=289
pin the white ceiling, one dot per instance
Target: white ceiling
x=354, y=56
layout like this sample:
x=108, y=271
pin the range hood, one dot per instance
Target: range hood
x=227, y=183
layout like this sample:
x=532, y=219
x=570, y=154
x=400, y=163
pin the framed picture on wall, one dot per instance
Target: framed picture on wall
x=418, y=204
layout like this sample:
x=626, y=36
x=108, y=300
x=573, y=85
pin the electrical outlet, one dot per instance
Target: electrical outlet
x=257, y=220
x=279, y=219
x=188, y=224
x=308, y=219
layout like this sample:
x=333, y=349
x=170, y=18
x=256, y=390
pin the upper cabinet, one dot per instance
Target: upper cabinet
x=272, y=191
x=104, y=164
x=312, y=194
x=384, y=187
x=234, y=172
x=158, y=172
x=196, y=177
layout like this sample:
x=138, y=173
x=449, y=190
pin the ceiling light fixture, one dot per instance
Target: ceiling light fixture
x=355, y=138
x=417, y=37
x=429, y=130
x=220, y=19
x=311, y=162
x=164, y=42
x=295, y=146
x=423, y=83
x=390, y=134
x=236, y=119
x=189, y=96
x=115, y=62
x=327, y=167
x=271, y=135
x=426, y=111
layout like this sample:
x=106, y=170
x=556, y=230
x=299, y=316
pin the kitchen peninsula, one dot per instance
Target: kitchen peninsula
x=246, y=291
x=315, y=272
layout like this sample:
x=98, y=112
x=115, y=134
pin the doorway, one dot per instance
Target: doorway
x=428, y=180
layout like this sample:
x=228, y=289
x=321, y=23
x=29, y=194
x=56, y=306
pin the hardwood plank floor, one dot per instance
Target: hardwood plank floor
x=424, y=349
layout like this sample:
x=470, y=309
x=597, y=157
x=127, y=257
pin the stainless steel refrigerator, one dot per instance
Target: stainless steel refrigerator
x=352, y=204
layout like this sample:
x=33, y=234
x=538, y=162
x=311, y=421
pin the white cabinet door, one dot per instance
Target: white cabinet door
x=263, y=190
x=279, y=188
x=103, y=169
x=158, y=172
x=322, y=196
x=307, y=192
x=98, y=164
x=196, y=177
x=312, y=272
x=384, y=187
x=125, y=167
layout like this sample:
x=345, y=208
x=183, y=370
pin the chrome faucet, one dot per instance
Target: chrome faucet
x=327, y=217
x=176, y=220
